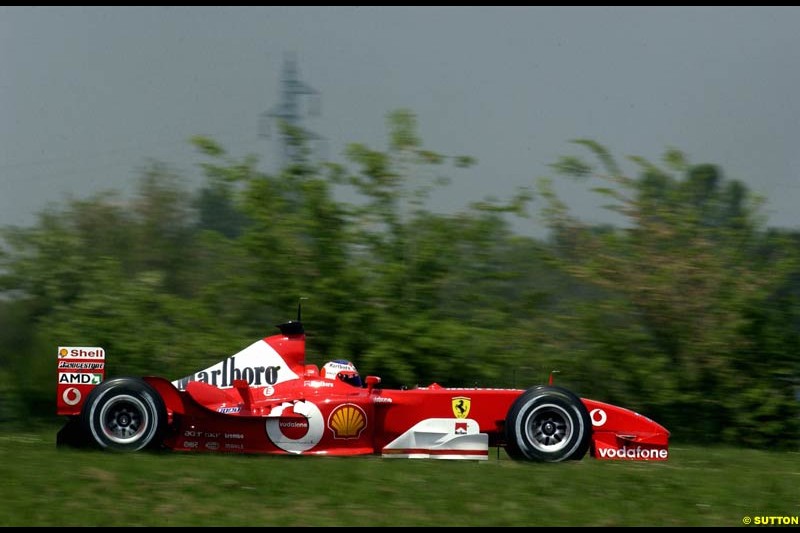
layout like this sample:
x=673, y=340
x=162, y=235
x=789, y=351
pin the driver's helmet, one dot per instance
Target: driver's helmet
x=343, y=370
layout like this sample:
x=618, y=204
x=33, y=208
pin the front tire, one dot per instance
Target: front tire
x=547, y=424
x=124, y=415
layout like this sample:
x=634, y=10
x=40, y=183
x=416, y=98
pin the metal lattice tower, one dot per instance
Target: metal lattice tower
x=290, y=110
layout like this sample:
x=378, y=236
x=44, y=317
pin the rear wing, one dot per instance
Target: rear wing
x=80, y=369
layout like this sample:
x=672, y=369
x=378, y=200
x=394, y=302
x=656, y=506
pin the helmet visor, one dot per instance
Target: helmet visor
x=350, y=377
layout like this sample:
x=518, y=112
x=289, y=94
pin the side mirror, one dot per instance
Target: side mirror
x=372, y=381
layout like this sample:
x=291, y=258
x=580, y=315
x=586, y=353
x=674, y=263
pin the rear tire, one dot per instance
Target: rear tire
x=124, y=415
x=547, y=424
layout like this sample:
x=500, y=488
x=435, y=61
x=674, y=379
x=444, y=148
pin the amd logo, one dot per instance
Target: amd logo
x=75, y=378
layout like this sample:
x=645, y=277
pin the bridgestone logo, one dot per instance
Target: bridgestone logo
x=633, y=453
x=80, y=365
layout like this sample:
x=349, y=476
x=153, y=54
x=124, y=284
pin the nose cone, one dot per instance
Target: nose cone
x=620, y=433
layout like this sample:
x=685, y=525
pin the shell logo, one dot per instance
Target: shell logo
x=347, y=421
x=63, y=352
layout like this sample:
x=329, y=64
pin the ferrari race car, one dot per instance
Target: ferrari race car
x=265, y=399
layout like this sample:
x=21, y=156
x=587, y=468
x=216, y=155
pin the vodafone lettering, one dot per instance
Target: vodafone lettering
x=285, y=425
x=634, y=453
x=294, y=435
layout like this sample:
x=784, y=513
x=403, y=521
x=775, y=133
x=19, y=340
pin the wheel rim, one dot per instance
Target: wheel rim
x=549, y=428
x=124, y=419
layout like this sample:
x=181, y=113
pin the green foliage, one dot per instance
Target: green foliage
x=687, y=277
x=207, y=146
x=572, y=166
x=689, y=307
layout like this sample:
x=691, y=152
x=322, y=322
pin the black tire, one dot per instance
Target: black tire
x=124, y=415
x=547, y=424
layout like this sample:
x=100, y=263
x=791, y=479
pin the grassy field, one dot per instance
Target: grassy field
x=45, y=486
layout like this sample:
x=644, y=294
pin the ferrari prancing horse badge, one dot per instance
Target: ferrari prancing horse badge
x=461, y=406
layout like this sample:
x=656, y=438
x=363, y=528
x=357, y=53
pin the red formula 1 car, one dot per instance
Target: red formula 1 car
x=266, y=399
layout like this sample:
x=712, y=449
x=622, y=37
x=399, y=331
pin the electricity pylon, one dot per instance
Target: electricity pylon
x=289, y=111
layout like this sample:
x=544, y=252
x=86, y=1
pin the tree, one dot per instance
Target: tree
x=680, y=285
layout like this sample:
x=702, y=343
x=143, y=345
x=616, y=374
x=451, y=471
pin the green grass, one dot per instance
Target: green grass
x=45, y=486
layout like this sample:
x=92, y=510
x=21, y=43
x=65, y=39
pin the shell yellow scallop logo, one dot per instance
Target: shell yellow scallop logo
x=347, y=421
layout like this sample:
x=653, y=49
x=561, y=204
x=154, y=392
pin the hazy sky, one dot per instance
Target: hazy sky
x=89, y=94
